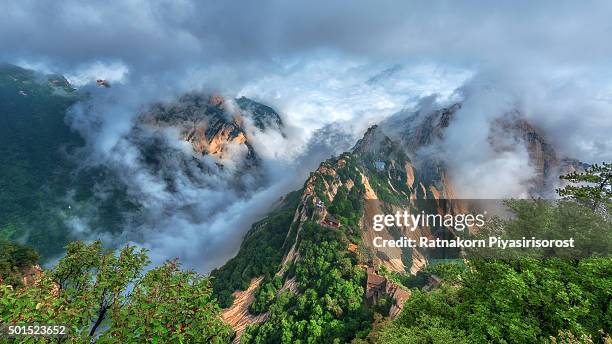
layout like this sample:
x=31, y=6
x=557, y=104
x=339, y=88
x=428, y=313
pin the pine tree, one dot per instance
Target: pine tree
x=592, y=187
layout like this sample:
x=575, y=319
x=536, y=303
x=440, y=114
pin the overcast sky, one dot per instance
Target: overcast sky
x=178, y=34
x=560, y=48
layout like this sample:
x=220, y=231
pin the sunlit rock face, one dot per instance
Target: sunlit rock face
x=398, y=164
x=182, y=166
x=203, y=122
x=208, y=133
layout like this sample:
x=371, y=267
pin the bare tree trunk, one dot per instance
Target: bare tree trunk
x=101, y=315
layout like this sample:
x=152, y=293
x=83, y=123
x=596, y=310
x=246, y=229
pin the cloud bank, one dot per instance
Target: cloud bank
x=331, y=70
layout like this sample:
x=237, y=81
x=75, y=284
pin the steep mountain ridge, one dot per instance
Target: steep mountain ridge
x=338, y=200
x=210, y=125
x=313, y=256
x=381, y=174
x=34, y=143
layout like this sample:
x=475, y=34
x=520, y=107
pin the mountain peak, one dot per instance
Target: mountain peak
x=263, y=115
x=375, y=142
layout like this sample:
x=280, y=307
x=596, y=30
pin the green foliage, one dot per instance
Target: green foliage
x=428, y=330
x=319, y=188
x=566, y=337
x=522, y=301
x=389, y=184
x=406, y=279
x=553, y=220
x=348, y=206
x=446, y=269
x=592, y=187
x=106, y=298
x=13, y=259
x=260, y=253
x=33, y=142
x=449, y=271
x=329, y=306
x=170, y=305
x=265, y=294
x=38, y=166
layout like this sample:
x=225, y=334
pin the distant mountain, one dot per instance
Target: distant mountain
x=310, y=265
x=209, y=125
x=263, y=115
x=425, y=128
x=46, y=191
x=216, y=132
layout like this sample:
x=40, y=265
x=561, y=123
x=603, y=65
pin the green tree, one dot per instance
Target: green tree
x=13, y=259
x=519, y=301
x=592, y=187
x=329, y=305
x=107, y=298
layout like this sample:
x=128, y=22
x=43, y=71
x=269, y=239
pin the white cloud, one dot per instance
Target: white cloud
x=314, y=93
x=114, y=72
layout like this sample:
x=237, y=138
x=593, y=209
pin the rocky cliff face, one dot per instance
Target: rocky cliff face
x=215, y=136
x=421, y=128
x=211, y=126
x=382, y=174
x=264, y=117
x=56, y=188
x=420, y=132
x=543, y=157
x=342, y=196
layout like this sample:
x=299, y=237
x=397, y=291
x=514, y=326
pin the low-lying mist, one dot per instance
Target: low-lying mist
x=198, y=208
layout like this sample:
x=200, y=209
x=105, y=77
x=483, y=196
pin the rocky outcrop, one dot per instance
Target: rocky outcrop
x=378, y=286
x=383, y=174
x=543, y=157
x=420, y=132
x=199, y=136
x=263, y=116
x=27, y=275
x=237, y=315
x=30, y=274
x=375, y=177
x=210, y=125
x=205, y=123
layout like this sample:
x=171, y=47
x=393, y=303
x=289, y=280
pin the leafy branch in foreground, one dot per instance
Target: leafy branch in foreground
x=107, y=298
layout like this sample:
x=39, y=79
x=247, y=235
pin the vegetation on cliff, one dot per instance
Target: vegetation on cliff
x=316, y=294
x=260, y=253
x=329, y=305
x=41, y=187
x=33, y=139
x=14, y=258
